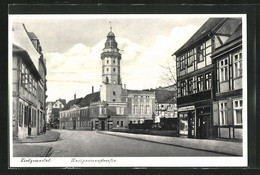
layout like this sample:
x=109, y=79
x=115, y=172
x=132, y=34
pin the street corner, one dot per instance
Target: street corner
x=31, y=151
x=49, y=136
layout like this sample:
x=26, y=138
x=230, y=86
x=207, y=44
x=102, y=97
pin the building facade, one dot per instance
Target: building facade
x=228, y=104
x=196, y=76
x=113, y=106
x=29, y=83
x=52, y=113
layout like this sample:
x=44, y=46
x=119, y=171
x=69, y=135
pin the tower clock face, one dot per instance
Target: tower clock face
x=114, y=82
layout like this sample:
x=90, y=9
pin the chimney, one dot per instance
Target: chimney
x=124, y=86
x=75, y=96
x=92, y=89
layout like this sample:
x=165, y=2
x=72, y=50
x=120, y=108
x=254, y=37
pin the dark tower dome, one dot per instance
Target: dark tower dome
x=111, y=42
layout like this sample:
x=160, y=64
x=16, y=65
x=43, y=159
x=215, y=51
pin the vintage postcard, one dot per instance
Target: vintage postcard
x=128, y=90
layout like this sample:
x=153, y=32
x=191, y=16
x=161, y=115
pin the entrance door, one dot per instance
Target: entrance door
x=102, y=125
x=203, y=126
x=74, y=124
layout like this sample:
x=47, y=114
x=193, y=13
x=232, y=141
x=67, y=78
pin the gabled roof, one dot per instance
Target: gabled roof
x=234, y=40
x=208, y=27
x=63, y=101
x=90, y=98
x=71, y=103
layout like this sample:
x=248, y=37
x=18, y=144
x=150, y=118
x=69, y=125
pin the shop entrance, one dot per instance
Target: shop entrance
x=203, y=122
x=187, y=123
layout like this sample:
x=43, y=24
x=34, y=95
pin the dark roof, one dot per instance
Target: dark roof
x=90, y=98
x=139, y=91
x=27, y=59
x=208, y=27
x=63, y=101
x=165, y=96
x=234, y=40
x=32, y=35
x=71, y=103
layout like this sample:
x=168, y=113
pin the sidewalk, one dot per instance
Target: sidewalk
x=33, y=150
x=219, y=146
x=20, y=150
x=49, y=136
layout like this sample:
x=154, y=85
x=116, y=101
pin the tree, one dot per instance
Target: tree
x=168, y=76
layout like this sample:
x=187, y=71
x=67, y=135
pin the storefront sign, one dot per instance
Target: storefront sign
x=186, y=108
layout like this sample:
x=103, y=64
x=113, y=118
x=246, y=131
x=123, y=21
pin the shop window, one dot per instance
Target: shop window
x=223, y=113
x=200, y=83
x=122, y=123
x=238, y=106
x=117, y=123
x=208, y=81
x=190, y=86
x=223, y=70
x=237, y=65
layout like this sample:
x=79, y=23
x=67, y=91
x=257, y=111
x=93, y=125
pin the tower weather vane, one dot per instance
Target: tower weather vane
x=110, y=26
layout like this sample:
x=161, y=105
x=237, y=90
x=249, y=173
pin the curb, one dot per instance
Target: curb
x=229, y=154
x=47, y=152
x=42, y=141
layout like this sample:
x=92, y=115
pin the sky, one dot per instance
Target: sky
x=72, y=46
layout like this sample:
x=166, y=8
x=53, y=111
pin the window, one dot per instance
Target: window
x=237, y=65
x=21, y=112
x=114, y=69
x=200, y=83
x=105, y=110
x=122, y=123
x=200, y=56
x=190, y=58
x=107, y=69
x=222, y=113
x=107, y=81
x=100, y=110
x=238, y=106
x=135, y=109
x=26, y=116
x=190, y=86
x=114, y=100
x=122, y=110
x=117, y=110
x=208, y=81
x=114, y=93
x=223, y=70
x=33, y=118
x=117, y=123
x=182, y=61
x=146, y=109
x=107, y=61
x=114, y=61
x=183, y=88
x=142, y=109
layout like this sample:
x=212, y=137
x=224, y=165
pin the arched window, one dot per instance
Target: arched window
x=107, y=81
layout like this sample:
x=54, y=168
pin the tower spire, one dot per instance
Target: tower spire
x=110, y=26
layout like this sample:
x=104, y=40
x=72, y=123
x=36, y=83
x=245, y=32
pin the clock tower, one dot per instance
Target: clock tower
x=111, y=88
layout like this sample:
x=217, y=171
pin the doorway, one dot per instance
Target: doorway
x=203, y=126
x=102, y=125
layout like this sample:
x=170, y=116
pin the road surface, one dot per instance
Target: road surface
x=93, y=144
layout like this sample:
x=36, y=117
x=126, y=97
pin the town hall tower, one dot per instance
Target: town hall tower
x=111, y=88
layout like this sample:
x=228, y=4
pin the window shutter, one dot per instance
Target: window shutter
x=215, y=114
x=229, y=112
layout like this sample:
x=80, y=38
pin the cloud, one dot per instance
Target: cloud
x=79, y=68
